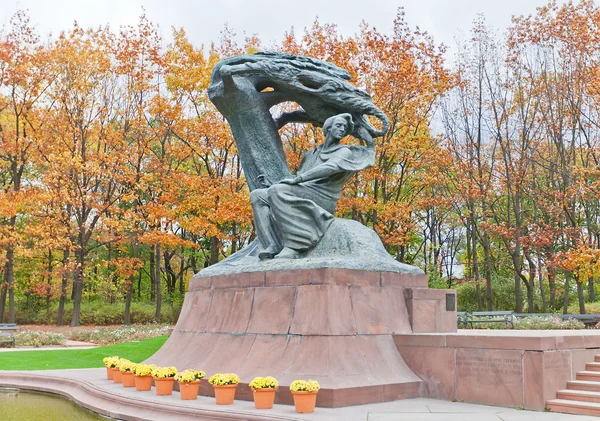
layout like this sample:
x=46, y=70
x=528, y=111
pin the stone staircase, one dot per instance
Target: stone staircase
x=582, y=396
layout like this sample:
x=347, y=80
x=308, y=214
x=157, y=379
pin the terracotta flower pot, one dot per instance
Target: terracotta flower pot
x=128, y=379
x=164, y=386
x=116, y=375
x=225, y=394
x=143, y=383
x=109, y=373
x=305, y=401
x=264, y=398
x=189, y=390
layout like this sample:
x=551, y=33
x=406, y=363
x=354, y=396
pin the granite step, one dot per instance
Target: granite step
x=593, y=376
x=573, y=407
x=578, y=395
x=592, y=366
x=590, y=386
x=597, y=358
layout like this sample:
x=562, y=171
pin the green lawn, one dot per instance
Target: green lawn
x=79, y=358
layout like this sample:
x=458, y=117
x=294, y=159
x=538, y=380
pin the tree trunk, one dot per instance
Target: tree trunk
x=541, y=282
x=78, y=287
x=10, y=283
x=157, y=277
x=530, y=285
x=63, y=289
x=214, y=250
x=193, y=263
x=49, y=292
x=580, y=295
x=530, y=302
x=591, y=289
x=552, y=286
x=488, y=272
x=566, y=295
x=127, y=315
x=516, y=265
x=3, y=292
x=181, y=272
x=152, y=276
x=476, y=272
x=139, y=288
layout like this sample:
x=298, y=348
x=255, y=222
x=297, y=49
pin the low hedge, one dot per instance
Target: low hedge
x=100, y=313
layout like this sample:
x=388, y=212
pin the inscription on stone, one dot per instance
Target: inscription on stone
x=450, y=302
x=480, y=366
x=490, y=376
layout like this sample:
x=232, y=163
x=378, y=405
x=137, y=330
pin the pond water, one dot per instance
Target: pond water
x=16, y=405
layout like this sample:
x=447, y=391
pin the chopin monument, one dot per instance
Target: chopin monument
x=313, y=296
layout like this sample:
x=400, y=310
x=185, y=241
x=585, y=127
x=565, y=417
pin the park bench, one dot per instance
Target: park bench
x=7, y=333
x=483, y=317
x=589, y=320
x=462, y=318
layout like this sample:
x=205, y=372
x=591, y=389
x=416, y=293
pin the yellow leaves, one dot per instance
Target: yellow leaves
x=188, y=70
x=583, y=260
x=164, y=239
x=125, y=266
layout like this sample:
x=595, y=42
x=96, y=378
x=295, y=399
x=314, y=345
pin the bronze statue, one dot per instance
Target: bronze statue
x=291, y=216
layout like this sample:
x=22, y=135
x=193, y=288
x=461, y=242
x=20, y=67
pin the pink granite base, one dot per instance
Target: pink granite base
x=505, y=368
x=330, y=325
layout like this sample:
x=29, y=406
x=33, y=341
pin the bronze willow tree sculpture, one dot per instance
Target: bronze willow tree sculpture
x=294, y=214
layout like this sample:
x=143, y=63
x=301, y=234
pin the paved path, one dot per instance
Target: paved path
x=68, y=345
x=90, y=388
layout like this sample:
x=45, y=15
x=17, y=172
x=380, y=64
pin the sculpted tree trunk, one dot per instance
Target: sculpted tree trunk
x=245, y=88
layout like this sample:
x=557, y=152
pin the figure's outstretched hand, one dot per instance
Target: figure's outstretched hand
x=364, y=134
x=291, y=180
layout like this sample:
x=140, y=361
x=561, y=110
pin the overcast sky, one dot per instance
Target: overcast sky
x=269, y=19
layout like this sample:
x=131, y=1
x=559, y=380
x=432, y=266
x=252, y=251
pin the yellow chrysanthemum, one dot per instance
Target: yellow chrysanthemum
x=223, y=379
x=111, y=362
x=164, y=372
x=304, y=386
x=264, y=383
x=141, y=370
x=189, y=376
x=126, y=366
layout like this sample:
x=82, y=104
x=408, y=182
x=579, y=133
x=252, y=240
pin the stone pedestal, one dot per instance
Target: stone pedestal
x=522, y=368
x=332, y=325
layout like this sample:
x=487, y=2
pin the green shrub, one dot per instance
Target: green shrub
x=530, y=323
x=592, y=308
x=32, y=338
x=503, y=295
x=113, y=335
x=100, y=313
x=547, y=323
x=466, y=297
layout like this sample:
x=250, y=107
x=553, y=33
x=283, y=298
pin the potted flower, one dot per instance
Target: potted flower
x=127, y=376
x=164, y=377
x=305, y=395
x=224, y=385
x=110, y=363
x=263, y=389
x=189, y=383
x=143, y=376
x=117, y=378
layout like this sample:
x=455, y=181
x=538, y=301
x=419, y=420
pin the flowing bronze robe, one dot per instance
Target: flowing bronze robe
x=299, y=214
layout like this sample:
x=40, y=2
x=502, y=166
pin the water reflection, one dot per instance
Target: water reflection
x=16, y=405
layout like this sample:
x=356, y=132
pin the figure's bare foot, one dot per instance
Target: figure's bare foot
x=288, y=253
x=268, y=253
